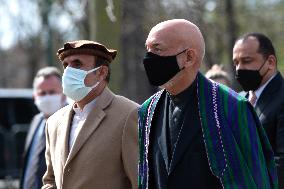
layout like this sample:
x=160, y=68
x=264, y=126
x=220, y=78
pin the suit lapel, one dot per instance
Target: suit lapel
x=41, y=142
x=267, y=94
x=92, y=122
x=183, y=144
x=188, y=134
x=162, y=141
x=90, y=125
x=37, y=120
x=64, y=127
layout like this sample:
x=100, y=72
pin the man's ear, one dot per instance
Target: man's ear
x=272, y=62
x=190, y=57
x=103, y=72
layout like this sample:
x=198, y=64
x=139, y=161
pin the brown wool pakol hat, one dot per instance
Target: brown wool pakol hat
x=86, y=47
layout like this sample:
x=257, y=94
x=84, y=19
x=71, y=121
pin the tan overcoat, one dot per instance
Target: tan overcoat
x=105, y=153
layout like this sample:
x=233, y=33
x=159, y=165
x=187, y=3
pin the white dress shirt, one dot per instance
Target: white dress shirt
x=78, y=121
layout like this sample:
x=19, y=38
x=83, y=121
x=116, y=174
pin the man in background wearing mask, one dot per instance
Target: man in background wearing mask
x=256, y=70
x=48, y=98
x=93, y=142
x=195, y=133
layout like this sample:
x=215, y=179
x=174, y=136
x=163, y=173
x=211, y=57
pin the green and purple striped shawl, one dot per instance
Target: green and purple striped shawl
x=237, y=147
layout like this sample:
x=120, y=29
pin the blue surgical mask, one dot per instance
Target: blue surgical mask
x=73, y=83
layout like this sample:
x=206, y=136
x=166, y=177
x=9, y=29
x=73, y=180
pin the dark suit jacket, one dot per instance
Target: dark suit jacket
x=270, y=110
x=42, y=165
x=189, y=166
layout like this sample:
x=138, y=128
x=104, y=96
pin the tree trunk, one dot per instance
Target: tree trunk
x=107, y=31
x=232, y=30
x=133, y=36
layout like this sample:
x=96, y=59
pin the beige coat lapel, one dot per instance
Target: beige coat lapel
x=64, y=126
x=92, y=122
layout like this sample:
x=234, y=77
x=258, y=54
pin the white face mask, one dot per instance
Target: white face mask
x=73, y=83
x=48, y=104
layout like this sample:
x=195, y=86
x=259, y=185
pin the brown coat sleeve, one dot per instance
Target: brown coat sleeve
x=48, y=178
x=130, y=147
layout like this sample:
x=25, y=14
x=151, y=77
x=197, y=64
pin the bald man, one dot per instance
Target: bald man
x=195, y=133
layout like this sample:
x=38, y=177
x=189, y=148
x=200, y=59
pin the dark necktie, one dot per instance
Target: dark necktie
x=38, y=144
x=175, y=125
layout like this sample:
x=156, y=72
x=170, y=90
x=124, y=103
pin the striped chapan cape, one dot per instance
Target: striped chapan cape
x=237, y=148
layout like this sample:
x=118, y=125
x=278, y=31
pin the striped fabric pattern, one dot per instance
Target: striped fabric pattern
x=238, y=150
x=145, y=115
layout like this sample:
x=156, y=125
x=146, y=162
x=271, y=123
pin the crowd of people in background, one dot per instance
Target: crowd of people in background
x=218, y=74
x=195, y=132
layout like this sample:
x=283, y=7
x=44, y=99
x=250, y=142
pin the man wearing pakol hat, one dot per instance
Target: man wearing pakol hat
x=93, y=142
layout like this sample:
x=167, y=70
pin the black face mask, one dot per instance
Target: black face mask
x=160, y=69
x=249, y=79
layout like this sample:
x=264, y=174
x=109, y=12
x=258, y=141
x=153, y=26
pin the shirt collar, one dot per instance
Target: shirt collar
x=182, y=98
x=86, y=110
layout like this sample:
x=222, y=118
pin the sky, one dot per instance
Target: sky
x=6, y=33
x=17, y=22
x=20, y=18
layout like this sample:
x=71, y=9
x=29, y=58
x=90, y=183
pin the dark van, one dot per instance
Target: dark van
x=16, y=112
